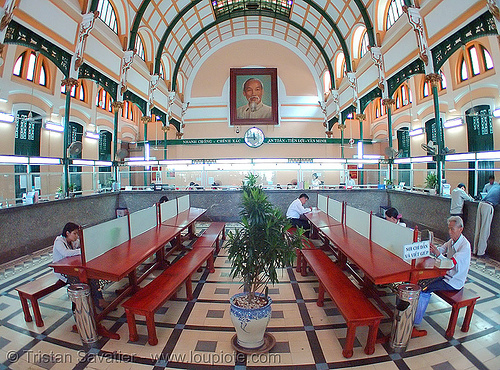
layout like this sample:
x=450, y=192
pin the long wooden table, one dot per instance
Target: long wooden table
x=120, y=262
x=319, y=219
x=185, y=219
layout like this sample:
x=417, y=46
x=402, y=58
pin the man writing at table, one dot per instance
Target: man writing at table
x=296, y=210
x=456, y=252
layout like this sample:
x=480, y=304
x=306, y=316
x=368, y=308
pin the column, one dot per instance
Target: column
x=388, y=103
x=117, y=105
x=435, y=80
x=68, y=83
x=145, y=120
x=361, y=117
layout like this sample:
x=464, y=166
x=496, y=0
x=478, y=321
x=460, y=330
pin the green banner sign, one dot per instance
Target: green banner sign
x=268, y=140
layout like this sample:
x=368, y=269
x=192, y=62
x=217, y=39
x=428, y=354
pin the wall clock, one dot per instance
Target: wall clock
x=254, y=137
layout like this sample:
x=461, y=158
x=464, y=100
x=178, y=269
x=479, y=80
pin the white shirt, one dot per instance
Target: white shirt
x=458, y=196
x=459, y=253
x=350, y=182
x=488, y=186
x=295, y=209
x=261, y=111
x=62, y=250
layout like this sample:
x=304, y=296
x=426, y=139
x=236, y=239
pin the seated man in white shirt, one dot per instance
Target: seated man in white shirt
x=296, y=212
x=458, y=197
x=456, y=251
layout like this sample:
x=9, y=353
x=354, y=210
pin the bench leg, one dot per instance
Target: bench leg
x=210, y=263
x=321, y=295
x=189, y=288
x=26, y=308
x=372, y=338
x=349, y=341
x=36, y=312
x=299, y=262
x=453, y=321
x=132, y=328
x=468, y=317
x=150, y=322
x=303, y=266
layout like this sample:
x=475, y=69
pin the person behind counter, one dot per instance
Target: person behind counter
x=296, y=212
x=392, y=214
x=485, y=211
x=456, y=252
x=491, y=182
x=67, y=245
x=458, y=197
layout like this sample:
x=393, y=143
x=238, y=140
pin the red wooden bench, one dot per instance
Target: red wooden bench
x=213, y=234
x=34, y=290
x=306, y=244
x=462, y=298
x=356, y=309
x=151, y=297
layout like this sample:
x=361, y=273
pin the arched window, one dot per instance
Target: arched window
x=107, y=14
x=128, y=110
x=339, y=66
x=103, y=100
x=327, y=82
x=42, y=77
x=443, y=80
x=364, y=45
x=426, y=90
x=76, y=92
x=139, y=47
x=402, y=96
x=161, y=72
x=475, y=60
x=379, y=108
x=394, y=13
x=30, y=66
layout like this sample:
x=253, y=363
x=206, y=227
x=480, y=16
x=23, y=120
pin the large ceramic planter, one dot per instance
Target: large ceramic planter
x=250, y=323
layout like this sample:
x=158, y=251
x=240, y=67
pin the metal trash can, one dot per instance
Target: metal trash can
x=83, y=311
x=404, y=315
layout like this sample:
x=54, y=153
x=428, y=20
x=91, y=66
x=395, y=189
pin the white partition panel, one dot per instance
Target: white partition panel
x=322, y=203
x=143, y=220
x=183, y=203
x=335, y=209
x=391, y=236
x=101, y=238
x=358, y=220
x=168, y=209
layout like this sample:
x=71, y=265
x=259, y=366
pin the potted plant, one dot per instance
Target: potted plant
x=257, y=251
x=388, y=183
x=431, y=182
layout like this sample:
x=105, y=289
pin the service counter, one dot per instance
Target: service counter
x=28, y=228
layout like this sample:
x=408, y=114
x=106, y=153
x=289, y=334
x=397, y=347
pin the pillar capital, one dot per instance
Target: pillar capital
x=145, y=119
x=360, y=116
x=388, y=103
x=434, y=79
x=341, y=126
x=117, y=105
x=69, y=83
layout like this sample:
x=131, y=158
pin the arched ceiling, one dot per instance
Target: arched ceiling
x=185, y=30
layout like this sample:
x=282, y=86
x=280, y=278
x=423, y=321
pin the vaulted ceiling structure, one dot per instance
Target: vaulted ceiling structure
x=183, y=32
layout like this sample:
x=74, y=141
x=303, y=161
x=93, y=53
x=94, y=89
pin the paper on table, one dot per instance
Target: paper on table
x=444, y=264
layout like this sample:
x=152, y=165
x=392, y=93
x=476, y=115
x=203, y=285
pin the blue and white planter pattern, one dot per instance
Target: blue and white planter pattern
x=250, y=323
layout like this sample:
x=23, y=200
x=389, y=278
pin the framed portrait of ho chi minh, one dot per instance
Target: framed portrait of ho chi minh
x=253, y=96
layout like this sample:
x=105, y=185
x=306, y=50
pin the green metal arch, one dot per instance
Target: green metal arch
x=137, y=23
x=367, y=21
x=220, y=20
x=340, y=37
x=93, y=5
x=169, y=29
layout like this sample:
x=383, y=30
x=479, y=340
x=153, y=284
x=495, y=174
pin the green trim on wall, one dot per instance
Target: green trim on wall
x=20, y=35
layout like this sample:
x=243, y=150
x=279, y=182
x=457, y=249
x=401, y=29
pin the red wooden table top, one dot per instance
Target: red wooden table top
x=186, y=218
x=321, y=219
x=119, y=261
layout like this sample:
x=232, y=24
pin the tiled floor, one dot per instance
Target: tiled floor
x=197, y=334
